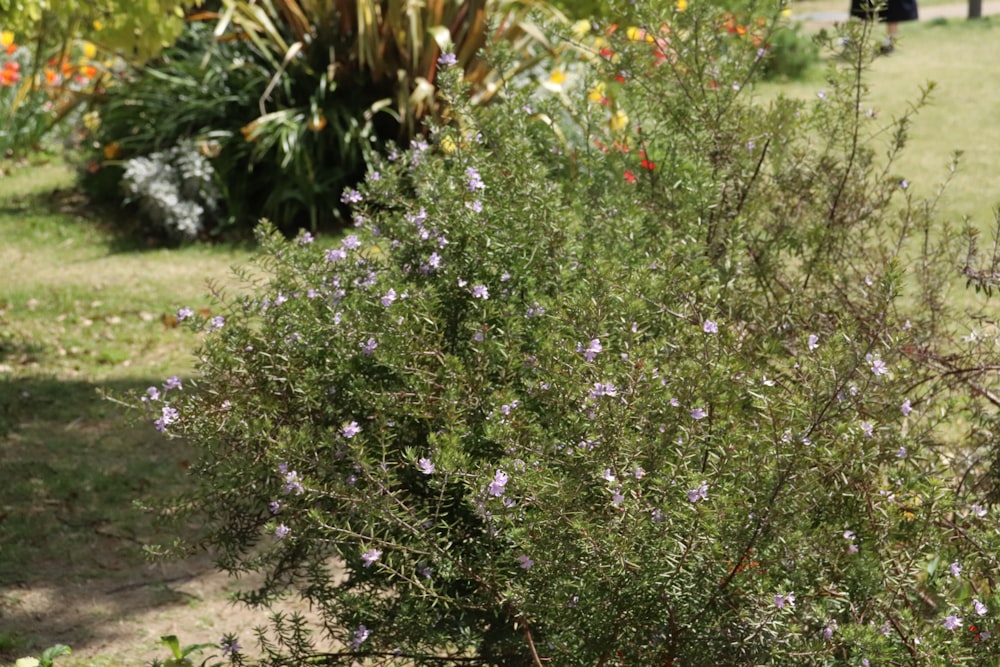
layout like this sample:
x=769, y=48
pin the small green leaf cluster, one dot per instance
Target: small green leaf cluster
x=675, y=389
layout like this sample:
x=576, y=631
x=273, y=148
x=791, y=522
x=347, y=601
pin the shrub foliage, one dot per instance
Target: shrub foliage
x=678, y=387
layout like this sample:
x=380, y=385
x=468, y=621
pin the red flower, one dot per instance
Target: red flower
x=629, y=176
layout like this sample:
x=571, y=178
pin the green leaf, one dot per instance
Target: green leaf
x=53, y=652
x=174, y=644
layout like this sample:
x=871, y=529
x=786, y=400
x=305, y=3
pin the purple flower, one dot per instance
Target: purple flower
x=906, y=408
x=617, y=497
x=878, y=366
x=830, y=628
x=216, y=323
x=274, y=506
x=608, y=476
x=981, y=609
x=447, y=59
x=526, y=563
x=700, y=493
x=369, y=346
x=813, y=342
x=168, y=416
x=350, y=196
x=978, y=510
x=425, y=466
x=281, y=531
x=172, y=382
x=152, y=394
x=591, y=350
x=868, y=429
x=710, y=327
x=499, y=483
x=336, y=255
x=369, y=557
x=389, y=297
x=229, y=646
x=350, y=430
x=184, y=313
x=476, y=206
x=351, y=242
x=952, y=622
x=475, y=182
x=698, y=413
x=955, y=569
x=901, y=453
x=781, y=600
x=480, y=292
x=434, y=261
x=292, y=484
x=603, y=389
x=360, y=636
x=306, y=238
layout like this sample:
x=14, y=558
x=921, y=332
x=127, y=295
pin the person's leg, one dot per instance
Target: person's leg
x=889, y=43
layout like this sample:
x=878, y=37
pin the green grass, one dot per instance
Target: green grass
x=83, y=312
x=961, y=58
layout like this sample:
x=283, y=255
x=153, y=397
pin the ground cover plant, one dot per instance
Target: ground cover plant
x=668, y=386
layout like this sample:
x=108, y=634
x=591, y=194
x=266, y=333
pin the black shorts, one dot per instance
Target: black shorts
x=893, y=11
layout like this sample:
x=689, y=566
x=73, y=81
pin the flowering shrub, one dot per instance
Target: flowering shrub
x=34, y=97
x=534, y=411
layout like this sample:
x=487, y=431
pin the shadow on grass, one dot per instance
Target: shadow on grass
x=71, y=537
x=121, y=227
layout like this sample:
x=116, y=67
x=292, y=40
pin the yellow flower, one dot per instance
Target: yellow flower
x=6, y=38
x=637, y=35
x=448, y=145
x=557, y=77
x=618, y=121
x=98, y=26
x=89, y=50
x=786, y=12
x=682, y=5
x=91, y=120
x=597, y=92
x=580, y=28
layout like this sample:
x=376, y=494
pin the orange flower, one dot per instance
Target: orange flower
x=51, y=76
x=317, y=123
x=89, y=71
x=112, y=150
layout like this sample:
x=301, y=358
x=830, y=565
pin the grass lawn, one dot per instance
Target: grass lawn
x=960, y=56
x=83, y=312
